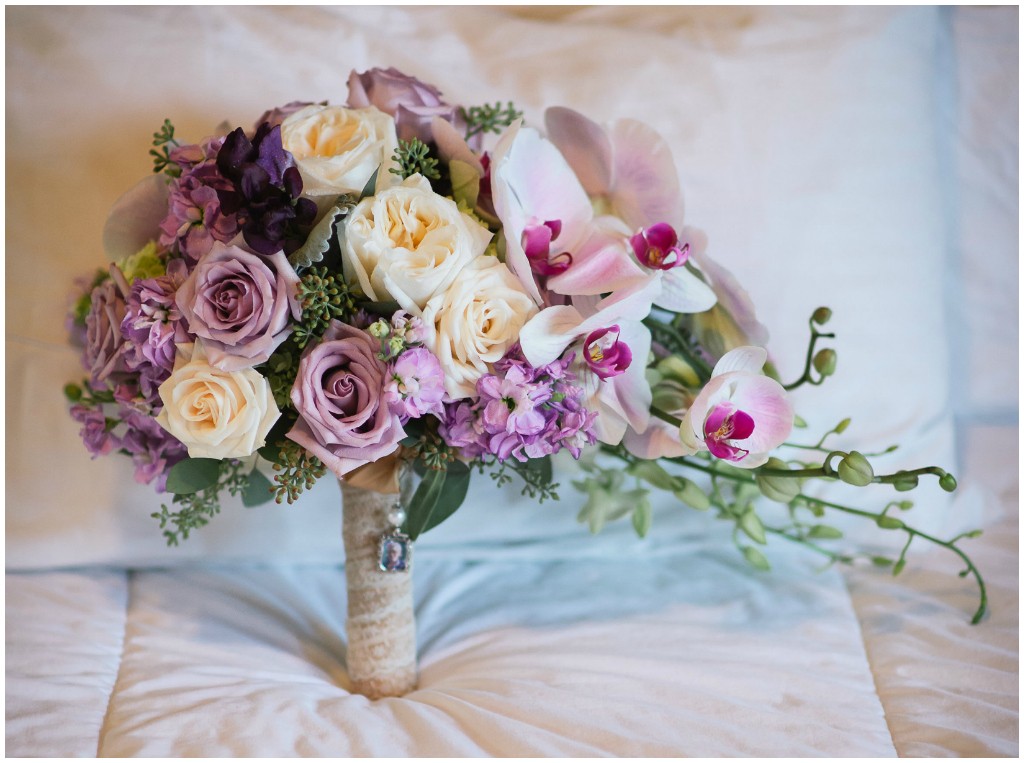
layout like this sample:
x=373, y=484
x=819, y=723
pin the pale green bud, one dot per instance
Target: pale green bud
x=854, y=469
x=821, y=316
x=825, y=362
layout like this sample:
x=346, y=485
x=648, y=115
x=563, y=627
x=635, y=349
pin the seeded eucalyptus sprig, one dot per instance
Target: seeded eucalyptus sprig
x=413, y=157
x=489, y=118
x=296, y=470
x=162, y=140
x=323, y=296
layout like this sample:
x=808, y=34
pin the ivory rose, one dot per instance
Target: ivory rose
x=475, y=322
x=214, y=413
x=337, y=150
x=409, y=244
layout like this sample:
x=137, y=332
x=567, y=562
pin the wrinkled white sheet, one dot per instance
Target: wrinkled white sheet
x=804, y=138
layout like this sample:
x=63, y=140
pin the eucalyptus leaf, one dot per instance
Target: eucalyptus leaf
x=192, y=475
x=371, y=185
x=542, y=467
x=258, y=490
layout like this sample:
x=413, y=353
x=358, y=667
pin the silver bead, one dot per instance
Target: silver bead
x=396, y=516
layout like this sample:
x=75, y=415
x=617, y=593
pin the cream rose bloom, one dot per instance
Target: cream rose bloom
x=409, y=244
x=337, y=150
x=216, y=414
x=473, y=323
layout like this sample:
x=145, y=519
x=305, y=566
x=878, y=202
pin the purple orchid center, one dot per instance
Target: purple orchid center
x=606, y=355
x=727, y=423
x=658, y=247
x=537, y=245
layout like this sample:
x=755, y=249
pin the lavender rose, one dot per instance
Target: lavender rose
x=339, y=394
x=240, y=304
x=105, y=347
x=412, y=103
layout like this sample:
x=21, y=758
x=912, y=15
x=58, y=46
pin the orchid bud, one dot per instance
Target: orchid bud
x=821, y=316
x=825, y=362
x=73, y=392
x=854, y=469
x=947, y=482
x=904, y=481
x=674, y=367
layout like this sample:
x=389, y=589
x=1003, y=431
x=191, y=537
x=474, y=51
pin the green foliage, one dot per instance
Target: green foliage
x=607, y=500
x=413, y=158
x=280, y=371
x=296, y=470
x=83, y=304
x=439, y=494
x=192, y=475
x=195, y=509
x=163, y=141
x=536, y=474
x=323, y=296
x=489, y=118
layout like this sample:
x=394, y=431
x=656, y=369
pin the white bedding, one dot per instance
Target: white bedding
x=862, y=158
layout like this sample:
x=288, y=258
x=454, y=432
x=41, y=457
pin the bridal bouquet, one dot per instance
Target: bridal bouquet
x=404, y=293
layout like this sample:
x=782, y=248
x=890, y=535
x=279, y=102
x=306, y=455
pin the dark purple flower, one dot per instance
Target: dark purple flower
x=412, y=103
x=265, y=191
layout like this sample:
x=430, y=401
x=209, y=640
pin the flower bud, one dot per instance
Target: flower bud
x=821, y=316
x=825, y=362
x=905, y=481
x=73, y=392
x=947, y=482
x=379, y=329
x=674, y=367
x=854, y=469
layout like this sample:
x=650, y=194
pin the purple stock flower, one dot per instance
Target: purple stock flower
x=265, y=190
x=152, y=448
x=521, y=412
x=241, y=304
x=412, y=103
x=195, y=219
x=152, y=324
x=415, y=385
x=98, y=439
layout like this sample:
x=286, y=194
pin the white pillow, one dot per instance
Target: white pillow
x=803, y=137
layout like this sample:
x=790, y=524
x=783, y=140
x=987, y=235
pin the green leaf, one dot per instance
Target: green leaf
x=824, y=532
x=319, y=239
x=755, y=558
x=371, y=185
x=751, y=524
x=258, y=490
x=453, y=493
x=642, y=516
x=424, y=501
x=652, y=472
x=693, y=496
x=541, y=467
x=465, y=183
x=192, y=475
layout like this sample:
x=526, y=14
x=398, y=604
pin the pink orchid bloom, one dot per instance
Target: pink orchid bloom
x=741, y=415
x=622, y=401
x=534, y=191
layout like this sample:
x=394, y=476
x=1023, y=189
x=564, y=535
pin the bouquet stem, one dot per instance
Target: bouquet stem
x=381, y=625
